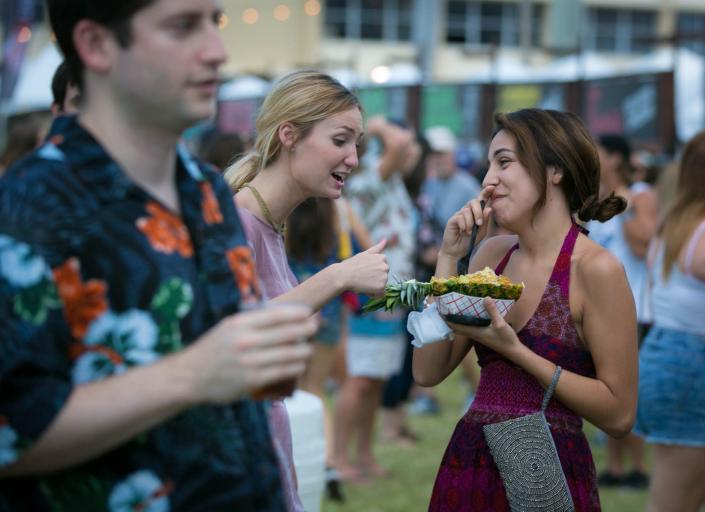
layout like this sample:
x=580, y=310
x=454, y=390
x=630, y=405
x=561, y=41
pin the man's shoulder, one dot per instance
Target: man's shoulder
x=39, y=176
x=40, y=196
x=41, y=164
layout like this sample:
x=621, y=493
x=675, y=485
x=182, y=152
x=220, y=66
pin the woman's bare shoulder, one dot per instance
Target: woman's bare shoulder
x=596, y=267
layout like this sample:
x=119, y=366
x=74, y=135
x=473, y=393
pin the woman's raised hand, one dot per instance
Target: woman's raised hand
x=366, y=272
x=456, y=237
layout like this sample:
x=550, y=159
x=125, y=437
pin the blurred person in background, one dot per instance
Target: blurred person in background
x=447, y=187
x=220, y=149
x=308, y=130
x=671, y=412
x=576, y=311
x=627, y=236
x=24, y=134
x=376, y=344
x=65, y=92
x=447, y=190
x=127, y=364
x=397, y=389
x=319, y=234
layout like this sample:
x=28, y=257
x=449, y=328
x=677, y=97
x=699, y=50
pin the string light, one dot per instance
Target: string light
x=250, y=16
x=312, y=7
x=24, y=35
x=282, y=12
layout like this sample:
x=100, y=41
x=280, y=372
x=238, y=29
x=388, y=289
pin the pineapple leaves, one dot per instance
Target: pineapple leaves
x=402, y=293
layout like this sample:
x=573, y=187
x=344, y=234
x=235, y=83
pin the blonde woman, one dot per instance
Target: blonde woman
x=671, y=412
x=308, y=131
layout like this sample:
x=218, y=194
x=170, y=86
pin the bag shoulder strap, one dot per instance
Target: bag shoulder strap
x=551, y=388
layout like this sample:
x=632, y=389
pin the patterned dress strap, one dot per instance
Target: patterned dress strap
x=561, y=270
x=502, y=264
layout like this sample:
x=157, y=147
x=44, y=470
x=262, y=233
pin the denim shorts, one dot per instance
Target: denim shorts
x=671, y=381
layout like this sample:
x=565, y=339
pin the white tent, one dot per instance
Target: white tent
x=242, y=88
x=33, y=90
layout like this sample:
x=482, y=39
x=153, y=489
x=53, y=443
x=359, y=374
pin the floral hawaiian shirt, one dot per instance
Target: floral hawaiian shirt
x=97, y=277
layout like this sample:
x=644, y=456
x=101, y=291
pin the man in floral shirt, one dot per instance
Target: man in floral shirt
x=124, y=368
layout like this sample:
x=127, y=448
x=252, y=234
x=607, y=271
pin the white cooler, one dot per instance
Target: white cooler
x=309, y=446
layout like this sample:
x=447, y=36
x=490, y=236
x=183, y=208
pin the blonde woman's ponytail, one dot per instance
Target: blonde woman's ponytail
x=243, y=171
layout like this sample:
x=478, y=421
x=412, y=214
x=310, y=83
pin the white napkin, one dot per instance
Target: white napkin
x=427, y=327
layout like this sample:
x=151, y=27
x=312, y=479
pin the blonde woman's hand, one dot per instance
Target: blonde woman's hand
x=456, y=237
x=366, y=272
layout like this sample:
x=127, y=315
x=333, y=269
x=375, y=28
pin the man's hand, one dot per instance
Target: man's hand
x=249, y=351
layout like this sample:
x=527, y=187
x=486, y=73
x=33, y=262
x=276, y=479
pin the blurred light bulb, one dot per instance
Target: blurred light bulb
x=312, y=7
x=250, y=16
x=380, y=74
x=24, y=35
x=282, y=12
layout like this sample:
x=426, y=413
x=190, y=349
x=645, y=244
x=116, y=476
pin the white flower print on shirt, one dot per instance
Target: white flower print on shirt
x=142, y=491
x=114, y=342
x=8, y=443
x=19, y=265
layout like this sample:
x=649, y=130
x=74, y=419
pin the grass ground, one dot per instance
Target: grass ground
x=414, y=468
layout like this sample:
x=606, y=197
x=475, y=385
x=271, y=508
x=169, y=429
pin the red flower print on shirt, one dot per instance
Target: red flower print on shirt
x=83, y=302
x=242, y=265
x=210, y=206
x=165, y=231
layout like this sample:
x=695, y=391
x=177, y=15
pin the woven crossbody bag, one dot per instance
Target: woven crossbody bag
x=528, y=463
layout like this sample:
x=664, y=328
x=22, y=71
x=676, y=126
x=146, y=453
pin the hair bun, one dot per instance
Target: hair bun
x=602, y=210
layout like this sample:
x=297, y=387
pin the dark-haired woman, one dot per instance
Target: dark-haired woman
x=576, y=311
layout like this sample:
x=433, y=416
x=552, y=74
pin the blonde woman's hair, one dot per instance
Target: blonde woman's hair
x=688, y=208
x=302, y=98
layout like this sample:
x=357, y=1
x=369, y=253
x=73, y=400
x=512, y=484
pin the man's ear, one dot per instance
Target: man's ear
x=555, y=175
x=95, y=45
x=288, y=135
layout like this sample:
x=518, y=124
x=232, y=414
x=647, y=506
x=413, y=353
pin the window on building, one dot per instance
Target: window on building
x=485, y=23
x=620, y=30
x=336, y=22
x=692, y=25
x=369, y=19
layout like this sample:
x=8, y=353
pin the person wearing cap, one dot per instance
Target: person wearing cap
x=447, y=188
x=627, y=236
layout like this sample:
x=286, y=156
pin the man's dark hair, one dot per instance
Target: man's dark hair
x=114, y=14
x=59, y=85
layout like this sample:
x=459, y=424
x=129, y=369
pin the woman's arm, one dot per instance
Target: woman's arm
x=395, y=141
x=641, y=227
x=434, y=362
x=366, y=272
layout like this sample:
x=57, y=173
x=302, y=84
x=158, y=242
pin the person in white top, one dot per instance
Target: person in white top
x=671, y=410
x=627, y=236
